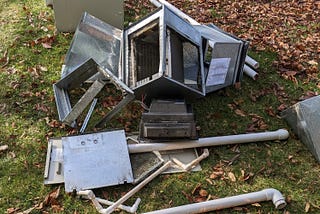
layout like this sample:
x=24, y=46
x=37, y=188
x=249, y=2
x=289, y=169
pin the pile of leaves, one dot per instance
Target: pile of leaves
x=289, y=28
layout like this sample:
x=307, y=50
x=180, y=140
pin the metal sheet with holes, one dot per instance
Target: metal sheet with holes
x=96, y=160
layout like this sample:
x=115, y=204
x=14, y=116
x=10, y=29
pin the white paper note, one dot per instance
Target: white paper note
x=218, y=71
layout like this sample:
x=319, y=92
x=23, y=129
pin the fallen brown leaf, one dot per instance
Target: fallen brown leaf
x=203, y=193
x=240, y=112
x=256, y=205
x=12, y=210
x=232, y=177
x=307, y=207
x=199, y=199
x=46, y=45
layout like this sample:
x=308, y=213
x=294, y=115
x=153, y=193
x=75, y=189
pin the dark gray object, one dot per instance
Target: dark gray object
x=168, y=119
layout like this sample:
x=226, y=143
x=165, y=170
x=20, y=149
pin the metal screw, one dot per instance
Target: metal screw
x=83, y=143
x=95, y=141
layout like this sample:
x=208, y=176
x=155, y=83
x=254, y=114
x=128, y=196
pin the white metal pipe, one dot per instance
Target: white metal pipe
x=280, y=134
x=250, y=72
x=228, y=202
x=253, y=63
x=136, y=188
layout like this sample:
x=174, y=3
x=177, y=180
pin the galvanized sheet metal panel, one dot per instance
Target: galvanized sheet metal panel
x=97, y=40
x=304, y=119
x=96, y=160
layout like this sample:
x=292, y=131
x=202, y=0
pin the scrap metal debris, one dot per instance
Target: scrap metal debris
x=304, y=119
x=164, y=60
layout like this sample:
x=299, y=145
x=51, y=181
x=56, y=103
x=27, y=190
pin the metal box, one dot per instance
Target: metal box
x=67, y=113
x=163, y=57
x=68, y=12
x=168, y=119
x=224, y=57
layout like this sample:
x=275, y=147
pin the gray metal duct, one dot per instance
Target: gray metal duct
x=304, y=119
x=163, y=57
x=97, y=40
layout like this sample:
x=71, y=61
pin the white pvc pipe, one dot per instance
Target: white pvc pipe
x=159, y=3
x=253, y=63
x=280, y=134
x=193, y=163
x=250, y=72
x=228, y=202
x=156, y=3
x=128, y=209
x=136, y=189
x=88, y=194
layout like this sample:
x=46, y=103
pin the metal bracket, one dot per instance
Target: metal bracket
x=54, y=162
x=68, y=114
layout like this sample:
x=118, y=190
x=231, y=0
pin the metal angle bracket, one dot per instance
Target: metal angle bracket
x=67, y=113
x=54, y=162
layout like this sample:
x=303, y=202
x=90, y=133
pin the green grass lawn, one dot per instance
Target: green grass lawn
x=31, y=56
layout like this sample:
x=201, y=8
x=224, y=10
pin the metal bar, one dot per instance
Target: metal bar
x=84, y=101
x=193, y=163
x=47, y=166
x=86, y=120
x=128, y=209
x=159, y=3
x=89, y=194
x=115, y=110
